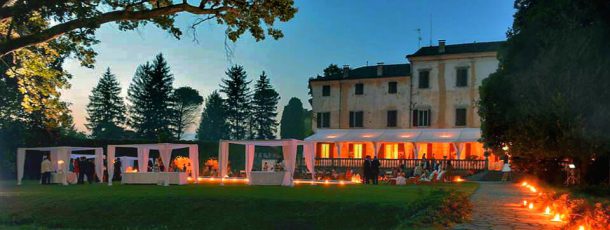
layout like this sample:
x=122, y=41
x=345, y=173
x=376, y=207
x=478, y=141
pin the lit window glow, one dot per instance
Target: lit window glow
x=358, y=151
x=325, y=151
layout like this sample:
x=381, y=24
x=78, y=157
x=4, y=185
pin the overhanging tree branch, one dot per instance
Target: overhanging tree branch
x=93, y=22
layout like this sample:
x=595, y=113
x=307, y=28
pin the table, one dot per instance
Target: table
x=266, y=178
x=179, y=178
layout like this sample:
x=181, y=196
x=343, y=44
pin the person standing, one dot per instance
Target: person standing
x=375, y=170
x=506, y=170
x=45, y=170
x=118, y=165
x=82, y=164
x=366, y=169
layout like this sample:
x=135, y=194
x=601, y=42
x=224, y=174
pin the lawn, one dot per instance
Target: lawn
x=219, y=207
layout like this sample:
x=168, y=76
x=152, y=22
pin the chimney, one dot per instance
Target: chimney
x=345, y=71
x=441, y=46
x=379, y=69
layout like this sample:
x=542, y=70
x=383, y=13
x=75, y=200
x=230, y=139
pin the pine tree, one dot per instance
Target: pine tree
x=152, y=106
x=293, y=120
x=237, y=102
x=106, y=109
x=264, y=109
x=213, y=125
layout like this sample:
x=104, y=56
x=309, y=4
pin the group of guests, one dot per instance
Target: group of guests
x=80, y=167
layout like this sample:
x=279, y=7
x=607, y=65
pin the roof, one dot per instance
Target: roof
x=364, y=72
x=476, y=47
x=397, y=135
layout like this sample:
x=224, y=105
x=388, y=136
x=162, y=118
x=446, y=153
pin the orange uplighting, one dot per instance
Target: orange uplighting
x=524, y=203
x=581, y=227
x=459, y=179
x=189, y=179
x=212, y=179
x=531, y=206
x=326, y=182
x=557, y=218
x=524, y=184
x=341, y=183
x=199, y=179
x=547, y=210
x=532, y=189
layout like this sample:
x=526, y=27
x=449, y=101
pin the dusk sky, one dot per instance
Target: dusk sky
x=322, y=32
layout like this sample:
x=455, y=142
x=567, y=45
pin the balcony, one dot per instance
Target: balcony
x=391, y=163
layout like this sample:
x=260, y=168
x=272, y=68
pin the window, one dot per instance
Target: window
x=391, y=151
x=357, y=150
x=462, y=77
x=424, y=79
x=359, y=89
x=392, y=117
x=392, y=87
x=323, y=120
x=326, y=90
x=421, y=117
x=325, y=150
x=460, y=117
x=355, y=119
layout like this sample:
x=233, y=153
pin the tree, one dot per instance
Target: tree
x=549, y=98
x=106, y=109
x=76, y=21
x=150, y=95
x=332, y=71
x=187, y=102
x=292, y=123
x=213, y=125
x=237, y=93
x=264, y=109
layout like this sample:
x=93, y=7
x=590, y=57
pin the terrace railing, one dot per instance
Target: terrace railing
x=391, y=163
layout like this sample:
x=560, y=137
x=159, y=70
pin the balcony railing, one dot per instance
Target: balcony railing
x=391, y=163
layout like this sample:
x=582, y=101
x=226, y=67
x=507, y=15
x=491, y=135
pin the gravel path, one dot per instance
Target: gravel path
x=498, y=206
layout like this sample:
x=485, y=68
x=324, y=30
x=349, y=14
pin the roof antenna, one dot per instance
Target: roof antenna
x=430, y=29
x=418, y=37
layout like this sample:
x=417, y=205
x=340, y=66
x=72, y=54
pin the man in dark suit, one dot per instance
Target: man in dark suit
x=375, y=170
x=367, y=169
x=82, y=170
x=90, y=171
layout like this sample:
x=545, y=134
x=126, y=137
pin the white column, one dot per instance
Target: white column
x=165, y=151
x=194, y=157
x=99, y=164
x=415, y=150
x=310, y=161
x=249, y=160
x=20, y=164
x=377, y=147
x=143, y=153
x=110, y=162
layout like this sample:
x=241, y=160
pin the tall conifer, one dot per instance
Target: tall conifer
x=106, y=109
x=237, y=93
x=150, y=95
x=264, y=109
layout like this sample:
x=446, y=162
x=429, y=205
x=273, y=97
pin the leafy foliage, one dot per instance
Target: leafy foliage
x=187, y=103
x=106, y=109
x=237, y=92
x=150, y=96
x=549, y=97
x=292, y=124
x=213, y=125
x=264, y=109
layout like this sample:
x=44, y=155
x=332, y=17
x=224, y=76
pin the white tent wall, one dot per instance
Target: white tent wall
x=165, y=151
x=60, y=160
x=289, y=150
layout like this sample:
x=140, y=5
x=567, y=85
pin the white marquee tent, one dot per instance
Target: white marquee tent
x=165, y=151
x=289, y=150
x=456, y=136
x=60, y=159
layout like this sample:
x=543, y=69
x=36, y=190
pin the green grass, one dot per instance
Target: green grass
x=217, y=207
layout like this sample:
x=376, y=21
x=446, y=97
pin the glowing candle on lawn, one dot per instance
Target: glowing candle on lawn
x=341, y=182
x=547, y=210
x=326, y=182
x=557, y=218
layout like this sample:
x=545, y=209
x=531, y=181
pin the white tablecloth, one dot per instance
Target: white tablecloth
x=154, y=178
x=266, y=178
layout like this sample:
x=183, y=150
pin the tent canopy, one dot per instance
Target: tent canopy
x=289, y=151
x=396, y=135
x=165, y=151
x=60, y=158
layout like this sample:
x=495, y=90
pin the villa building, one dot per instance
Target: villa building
x=403, y=112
